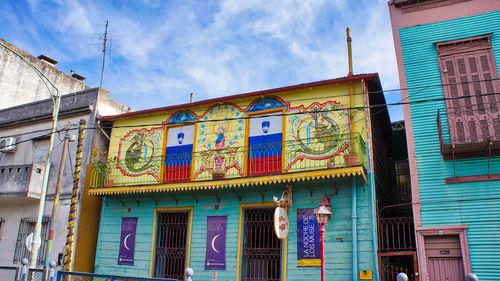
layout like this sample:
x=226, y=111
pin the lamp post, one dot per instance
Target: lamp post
x=323, y=214
x=56, y=99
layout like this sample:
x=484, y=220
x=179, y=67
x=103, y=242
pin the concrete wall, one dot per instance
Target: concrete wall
x=31, y=124
x=19, y=83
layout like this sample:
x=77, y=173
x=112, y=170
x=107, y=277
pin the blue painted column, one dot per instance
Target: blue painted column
x=354, y=231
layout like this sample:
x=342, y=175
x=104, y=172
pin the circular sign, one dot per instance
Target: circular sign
x=281, y=223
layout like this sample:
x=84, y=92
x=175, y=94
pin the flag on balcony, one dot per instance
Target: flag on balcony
x=265, y=144
x=179, y=152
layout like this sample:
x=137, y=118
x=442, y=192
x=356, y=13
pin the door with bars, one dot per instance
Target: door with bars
x=171, y=242
x=261, y=249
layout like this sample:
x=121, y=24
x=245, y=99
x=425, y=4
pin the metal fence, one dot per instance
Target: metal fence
x=80, y=276
x=8, y=273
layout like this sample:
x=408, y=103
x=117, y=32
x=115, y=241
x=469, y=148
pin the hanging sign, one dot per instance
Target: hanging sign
x=308, y=244
x=216, y=243
x=281, y=223
x=127, y=241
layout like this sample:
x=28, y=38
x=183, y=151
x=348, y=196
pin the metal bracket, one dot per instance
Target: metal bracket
x=260, y=192
x=310, y=190
x=156, y=202
x=286, y=199
x=239, y=197
x=195, y=198
x=216, y=196
x=336, y=189
x=138, y=202
x=171, y=196
x=123, y=203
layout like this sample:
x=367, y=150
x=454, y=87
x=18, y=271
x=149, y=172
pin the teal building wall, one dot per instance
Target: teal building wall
x=338, y=246
x=476, y=204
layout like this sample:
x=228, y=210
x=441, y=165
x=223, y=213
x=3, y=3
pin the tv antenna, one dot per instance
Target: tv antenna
x=105, y=40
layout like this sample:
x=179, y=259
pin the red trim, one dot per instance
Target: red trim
x=491, y=177
x=239, y=96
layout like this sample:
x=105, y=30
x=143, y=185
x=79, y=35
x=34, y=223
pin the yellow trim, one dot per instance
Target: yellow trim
x=153, y=240
x=236, y=182
x=240, y=229
x=311, y=262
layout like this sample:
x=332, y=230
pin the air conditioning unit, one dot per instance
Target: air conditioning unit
x=8, y=144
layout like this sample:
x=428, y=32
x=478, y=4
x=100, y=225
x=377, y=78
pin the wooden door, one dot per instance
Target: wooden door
x=444, y=258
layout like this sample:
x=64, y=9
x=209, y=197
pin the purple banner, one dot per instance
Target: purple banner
x=216, y=243
x=127, y=241
x=308, y=247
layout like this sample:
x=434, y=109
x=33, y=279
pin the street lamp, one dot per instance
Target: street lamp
x=323, y=214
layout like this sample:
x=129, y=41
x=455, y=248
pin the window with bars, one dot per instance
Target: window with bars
x=171, y=242
x=471, y=86
x=26, y=227
x=261, y=249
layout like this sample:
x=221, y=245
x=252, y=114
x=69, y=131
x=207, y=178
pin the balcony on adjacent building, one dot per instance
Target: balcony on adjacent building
x=470, y=131
x=324, y=157
x=21, y=180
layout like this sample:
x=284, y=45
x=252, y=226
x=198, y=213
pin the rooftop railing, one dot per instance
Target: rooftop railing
x=292, y=156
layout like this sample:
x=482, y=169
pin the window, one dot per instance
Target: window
x=265, y=143
x=471, y=87
x=26, y=227
x=171, y=242
x=261, y=249
x=179, y=153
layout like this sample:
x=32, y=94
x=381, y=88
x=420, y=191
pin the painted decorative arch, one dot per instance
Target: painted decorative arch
x=266, y=103
x=181, y=117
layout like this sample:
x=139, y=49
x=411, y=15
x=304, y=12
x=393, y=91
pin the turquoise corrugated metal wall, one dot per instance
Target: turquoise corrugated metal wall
x=338, y=246
x=474, y=204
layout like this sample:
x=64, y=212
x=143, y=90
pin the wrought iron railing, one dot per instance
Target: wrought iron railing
x=396, y=234
x=470, y=124
x=291, y=156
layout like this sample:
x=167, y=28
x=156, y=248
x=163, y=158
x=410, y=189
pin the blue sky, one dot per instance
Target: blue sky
x=163, y=50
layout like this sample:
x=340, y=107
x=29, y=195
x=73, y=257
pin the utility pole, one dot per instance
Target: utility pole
x=104, y=51
x=55, y=206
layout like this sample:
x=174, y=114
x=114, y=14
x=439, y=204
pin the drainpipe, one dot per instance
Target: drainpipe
x=354, y=231
x=371, y=179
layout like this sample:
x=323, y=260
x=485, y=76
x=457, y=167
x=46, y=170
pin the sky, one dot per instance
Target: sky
x=160, y=51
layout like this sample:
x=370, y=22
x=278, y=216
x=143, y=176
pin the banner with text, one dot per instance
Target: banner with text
x=308, y=247
x=127, y=241
x=216, y=242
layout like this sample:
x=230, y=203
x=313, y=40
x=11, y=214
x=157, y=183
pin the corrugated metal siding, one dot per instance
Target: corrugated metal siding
x=474, y=204
x=338, y=247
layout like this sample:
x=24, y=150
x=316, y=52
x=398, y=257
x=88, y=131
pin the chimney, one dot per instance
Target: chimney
x=76, y=75
x=47, y=59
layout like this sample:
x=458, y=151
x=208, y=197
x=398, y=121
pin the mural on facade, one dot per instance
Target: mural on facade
x=220, y=143
x=319, y=133
x=140, y=151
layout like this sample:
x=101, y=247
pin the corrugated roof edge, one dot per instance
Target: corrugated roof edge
x=244, y=95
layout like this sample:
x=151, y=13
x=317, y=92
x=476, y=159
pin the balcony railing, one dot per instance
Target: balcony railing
x=21, y=180
x=469, y=131
x=293, y=156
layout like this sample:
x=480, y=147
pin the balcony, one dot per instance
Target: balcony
x=297, y=159
x=471, y=131
x=21, y=180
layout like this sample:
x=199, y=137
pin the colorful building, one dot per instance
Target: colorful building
x=447, y=54
x=196, y=185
